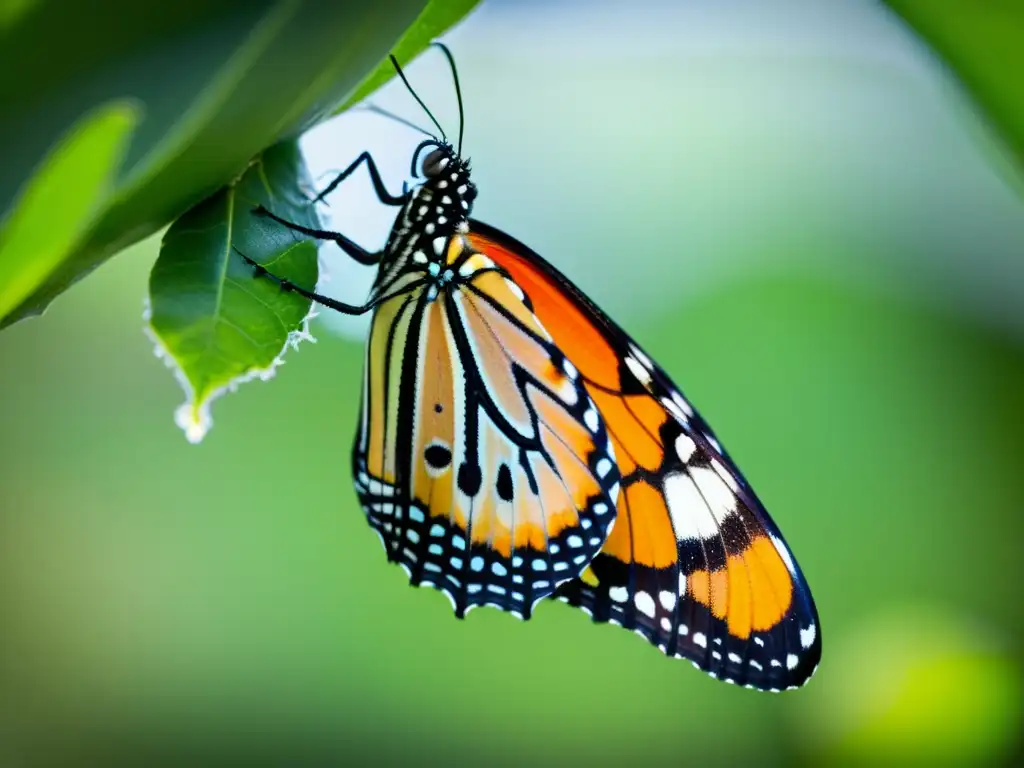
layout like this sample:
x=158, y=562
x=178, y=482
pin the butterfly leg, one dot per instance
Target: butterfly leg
x=355, y=251
x=378, y=183
x=339, y=306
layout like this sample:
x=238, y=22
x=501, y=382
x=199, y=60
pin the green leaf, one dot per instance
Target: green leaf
x=218, y=81
x=60, y=201
x=438, y=16
x=11, y=11
x=214, y=323
x=984, y=44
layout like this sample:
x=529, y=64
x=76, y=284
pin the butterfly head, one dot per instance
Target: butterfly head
x=445, y=172
x=446, y=181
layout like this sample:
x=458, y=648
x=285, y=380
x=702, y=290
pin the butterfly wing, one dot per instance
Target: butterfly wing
x=694, y=562
x=481, y=460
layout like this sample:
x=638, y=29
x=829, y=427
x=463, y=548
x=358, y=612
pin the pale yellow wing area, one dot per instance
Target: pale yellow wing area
x=481, y=461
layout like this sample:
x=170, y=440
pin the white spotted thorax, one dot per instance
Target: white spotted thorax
x=437, y=211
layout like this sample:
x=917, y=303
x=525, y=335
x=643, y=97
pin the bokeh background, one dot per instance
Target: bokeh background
x=796, y=210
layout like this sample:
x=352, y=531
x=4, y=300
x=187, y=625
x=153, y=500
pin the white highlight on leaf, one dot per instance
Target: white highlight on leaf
x=195, y=419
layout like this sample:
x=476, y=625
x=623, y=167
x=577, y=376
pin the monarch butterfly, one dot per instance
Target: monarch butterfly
x=516, y=444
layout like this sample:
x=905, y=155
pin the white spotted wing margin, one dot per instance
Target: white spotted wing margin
x=724, y=538
x=480, y=460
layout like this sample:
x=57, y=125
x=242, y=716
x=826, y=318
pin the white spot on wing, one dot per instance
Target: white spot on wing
x=726, y=476
x=644, y=603
x=641, y=357
x=642, y=374
x=685, y=448
x=672, y=408
x=807, y=636
x=700, y=639
x=618, y=594
x=516, y=290
x=681, y=403
x=717, y=494
x=691, y=518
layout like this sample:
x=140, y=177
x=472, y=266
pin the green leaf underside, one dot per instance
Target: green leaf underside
x=60, y=201
x=214, y=323
x=438, y=16
x=218, y=82
x=982, y=43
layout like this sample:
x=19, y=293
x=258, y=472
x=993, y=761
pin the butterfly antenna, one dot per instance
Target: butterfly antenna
x=458, y=90
x=419, y=101
x=392, y=116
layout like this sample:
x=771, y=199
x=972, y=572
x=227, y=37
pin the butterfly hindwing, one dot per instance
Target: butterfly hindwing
x=481, y=460
x=694, y=562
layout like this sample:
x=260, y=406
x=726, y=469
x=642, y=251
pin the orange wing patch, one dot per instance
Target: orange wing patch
x=591, y=353
x=753, y=592
x=643, y=533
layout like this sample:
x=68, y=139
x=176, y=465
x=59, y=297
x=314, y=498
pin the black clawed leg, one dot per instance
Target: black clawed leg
x=378, y=183
x=327, y=301
x=356, y=252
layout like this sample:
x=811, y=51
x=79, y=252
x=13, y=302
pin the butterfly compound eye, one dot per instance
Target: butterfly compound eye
x=435, y=163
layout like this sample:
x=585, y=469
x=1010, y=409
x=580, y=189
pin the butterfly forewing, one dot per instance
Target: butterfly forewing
x=694, y=563
x=481, y=461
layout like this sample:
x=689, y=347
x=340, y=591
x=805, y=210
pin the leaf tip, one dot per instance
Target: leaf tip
x=193, y=416
x=194, y=420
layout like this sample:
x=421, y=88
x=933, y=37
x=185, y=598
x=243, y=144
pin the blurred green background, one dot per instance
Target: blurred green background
x=793, y=208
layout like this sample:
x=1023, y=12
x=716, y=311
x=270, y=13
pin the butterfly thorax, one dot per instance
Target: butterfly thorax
x=421, y=240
